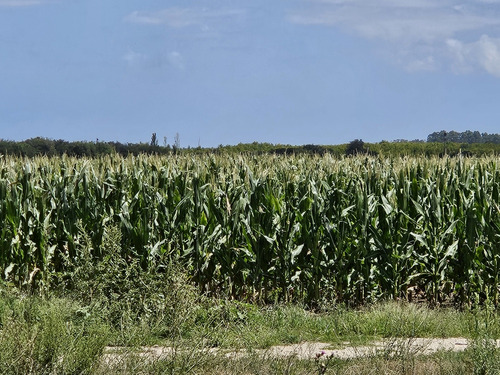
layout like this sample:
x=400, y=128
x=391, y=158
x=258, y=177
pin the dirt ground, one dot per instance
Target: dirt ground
x=311, y=350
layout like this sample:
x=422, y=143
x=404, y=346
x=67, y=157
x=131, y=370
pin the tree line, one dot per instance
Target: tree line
x=48, y=147
x=463, y=137
x=438, y=144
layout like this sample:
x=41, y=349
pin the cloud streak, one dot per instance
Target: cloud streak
x=421, y=34
x=172, y=59
x=183, y=17
x=25, y=3
x=19, y=3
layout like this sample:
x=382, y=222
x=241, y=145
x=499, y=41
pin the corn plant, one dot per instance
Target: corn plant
x=263, y=228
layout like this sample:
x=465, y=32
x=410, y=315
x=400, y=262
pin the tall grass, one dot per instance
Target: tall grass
x=263, y=228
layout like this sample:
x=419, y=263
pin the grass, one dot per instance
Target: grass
x=61, y=335
x=292, y=324
x=40, y=336
x=441, y=363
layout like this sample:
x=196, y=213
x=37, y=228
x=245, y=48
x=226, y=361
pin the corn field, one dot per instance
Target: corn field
x=264, y=228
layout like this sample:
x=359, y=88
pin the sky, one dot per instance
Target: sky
x=227, y=72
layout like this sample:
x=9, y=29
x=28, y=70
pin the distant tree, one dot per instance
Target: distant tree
x=314, y=149
x=154, y=140
x=40, y=146
x=177, y=141
x=104, y=149
x=356, y=147
x=467, y=136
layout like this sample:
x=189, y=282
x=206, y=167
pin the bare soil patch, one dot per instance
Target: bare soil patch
x=307, y=350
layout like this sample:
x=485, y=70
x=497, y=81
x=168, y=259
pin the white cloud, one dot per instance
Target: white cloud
x=488, y=55
x=421, y=34
x=173, y=59
x=137, y=17
x=483, y=54
x=396, y=20
x=176, y=60
x=182, y=17
x=134, y=58
x=426, y=64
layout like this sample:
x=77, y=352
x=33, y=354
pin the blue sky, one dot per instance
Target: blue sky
x=225, y=72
